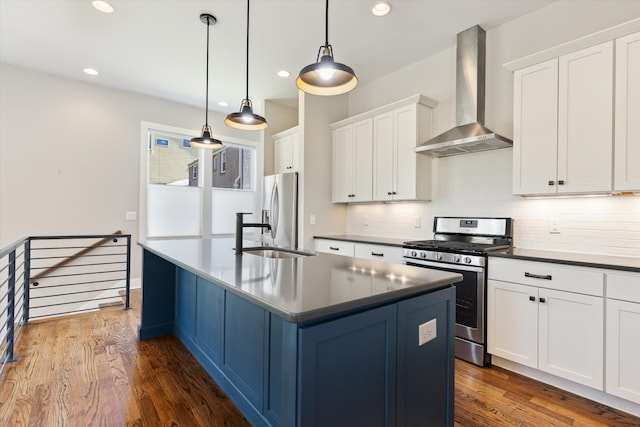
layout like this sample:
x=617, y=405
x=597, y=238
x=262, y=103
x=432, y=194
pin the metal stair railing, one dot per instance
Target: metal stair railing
x=49, y=276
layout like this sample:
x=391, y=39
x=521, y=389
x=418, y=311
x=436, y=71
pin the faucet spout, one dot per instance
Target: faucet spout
x=241, y=225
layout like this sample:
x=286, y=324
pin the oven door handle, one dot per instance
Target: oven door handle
x=452, y=267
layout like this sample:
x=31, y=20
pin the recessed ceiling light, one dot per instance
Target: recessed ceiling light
x=283, y=73
x=102, y=6
x=223, y=103
x=381, y=9
x=90, y=71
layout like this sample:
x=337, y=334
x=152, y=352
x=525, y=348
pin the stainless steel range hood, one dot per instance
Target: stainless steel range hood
x=469, y=135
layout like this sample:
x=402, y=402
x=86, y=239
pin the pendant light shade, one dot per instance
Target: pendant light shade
x=246, y=119
x=325, y=76
x=206, y=140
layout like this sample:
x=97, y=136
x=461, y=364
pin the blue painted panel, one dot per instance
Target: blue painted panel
x=158, y=296
x=426, y=373
x=185, y=302
x=347, y=370
x=280, y=380
x=245, y=335
x=209, y=318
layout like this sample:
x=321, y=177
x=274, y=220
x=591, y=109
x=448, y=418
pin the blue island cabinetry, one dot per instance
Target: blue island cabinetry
x=362, y=366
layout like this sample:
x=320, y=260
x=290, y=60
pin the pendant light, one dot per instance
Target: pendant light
x=325, y=76
x=206, y=140
x=246, y=119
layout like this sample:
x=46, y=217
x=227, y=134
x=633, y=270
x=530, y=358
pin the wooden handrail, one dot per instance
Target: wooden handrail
x=73, y=257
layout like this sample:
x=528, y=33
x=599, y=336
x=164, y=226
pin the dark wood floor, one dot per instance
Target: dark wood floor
x=91, y=370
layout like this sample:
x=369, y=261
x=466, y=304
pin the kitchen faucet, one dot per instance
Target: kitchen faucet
x=240, y=225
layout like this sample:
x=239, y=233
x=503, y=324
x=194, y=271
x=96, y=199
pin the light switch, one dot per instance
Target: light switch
x=312, y=219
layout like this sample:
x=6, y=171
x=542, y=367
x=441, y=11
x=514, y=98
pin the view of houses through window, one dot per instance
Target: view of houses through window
x=172, y=161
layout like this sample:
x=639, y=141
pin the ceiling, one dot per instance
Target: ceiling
x=158, y=47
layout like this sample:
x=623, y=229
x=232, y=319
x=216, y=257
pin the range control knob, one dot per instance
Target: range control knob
x=423, y=255
x=414, y=254
x=439, y=257
x=456, y=258
x=467, y=260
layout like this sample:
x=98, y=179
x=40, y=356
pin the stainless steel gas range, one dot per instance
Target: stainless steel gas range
x=461, y=245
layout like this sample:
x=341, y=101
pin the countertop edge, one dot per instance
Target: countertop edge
x=565, y=258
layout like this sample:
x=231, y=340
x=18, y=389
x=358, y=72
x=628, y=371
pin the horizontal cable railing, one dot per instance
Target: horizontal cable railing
x=48, y=276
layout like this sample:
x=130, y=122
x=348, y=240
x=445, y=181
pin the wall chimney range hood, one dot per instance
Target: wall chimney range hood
x=469, y=135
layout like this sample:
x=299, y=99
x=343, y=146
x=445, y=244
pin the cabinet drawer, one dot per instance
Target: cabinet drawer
x=625, y=287
x=336, y=247
x=547, y=275
x=379, y=252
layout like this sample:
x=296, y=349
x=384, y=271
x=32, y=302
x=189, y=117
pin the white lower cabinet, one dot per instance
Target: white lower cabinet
x=541, y=322
x=360, y=250
x=623, y=333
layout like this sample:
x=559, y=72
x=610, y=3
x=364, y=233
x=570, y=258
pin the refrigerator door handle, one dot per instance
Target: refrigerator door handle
x=275, y=211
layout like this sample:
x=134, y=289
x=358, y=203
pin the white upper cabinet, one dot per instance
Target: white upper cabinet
x=374, y=156
x=535, y=129
x=627, y=117
x=352, y=162
x=563, y=124
x=286, y=150
x=399, y=173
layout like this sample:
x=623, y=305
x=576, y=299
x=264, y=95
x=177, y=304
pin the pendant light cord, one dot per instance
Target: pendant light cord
x=326, y=25
x=206, y=106
x=247, y=73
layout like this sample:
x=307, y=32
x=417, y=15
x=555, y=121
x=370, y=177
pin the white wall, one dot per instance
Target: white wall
x=70, y=154
x=479, y=184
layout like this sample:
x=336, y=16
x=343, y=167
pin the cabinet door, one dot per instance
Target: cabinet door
x=405, y=141
x=347, y=370
x=362, y=161
x=343, y=161
x=627, y=125
x=383, y=157
x=512, y=322
x=185, y=301
x=282, y=155
x=209, y=318
x=571, y=336
x=585, y=120
x=623, y=350
x=535, y=129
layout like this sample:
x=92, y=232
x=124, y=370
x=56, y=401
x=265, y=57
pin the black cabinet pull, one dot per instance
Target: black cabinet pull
x=538, y=276
x=377, y=254
x=552, y=182
x=561, y=182
x=532, y=298
x=289, y=167
x=333, y=248
x=389, y=193
x=543, y=300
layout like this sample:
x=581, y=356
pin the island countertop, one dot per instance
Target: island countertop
x=300, y=289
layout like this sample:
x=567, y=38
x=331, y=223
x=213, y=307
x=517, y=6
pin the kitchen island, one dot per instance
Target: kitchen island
x=308, y=341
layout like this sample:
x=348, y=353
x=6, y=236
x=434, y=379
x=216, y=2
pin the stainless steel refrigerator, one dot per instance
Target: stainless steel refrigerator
x=280, y=210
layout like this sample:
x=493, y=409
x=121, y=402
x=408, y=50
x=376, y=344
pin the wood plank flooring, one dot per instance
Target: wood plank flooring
x=91, y=370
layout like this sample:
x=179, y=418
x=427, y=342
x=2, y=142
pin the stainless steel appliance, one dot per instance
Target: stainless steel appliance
x=280, y=210
x=461, y=245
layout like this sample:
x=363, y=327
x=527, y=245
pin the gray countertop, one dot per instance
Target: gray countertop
x=304, y=288
x=573, y=258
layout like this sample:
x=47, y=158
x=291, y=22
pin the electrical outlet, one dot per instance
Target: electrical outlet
x=131, y=216
x=427, y=332
x=312, y=219
x=417, y=222
x=365, y=220
x=554, y=226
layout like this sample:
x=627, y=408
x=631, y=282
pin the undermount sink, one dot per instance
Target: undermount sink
x=271, y=252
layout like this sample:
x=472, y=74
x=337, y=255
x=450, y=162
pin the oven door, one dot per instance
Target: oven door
x=470, y=298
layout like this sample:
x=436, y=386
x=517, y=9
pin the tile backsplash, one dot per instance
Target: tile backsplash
x=599, y=225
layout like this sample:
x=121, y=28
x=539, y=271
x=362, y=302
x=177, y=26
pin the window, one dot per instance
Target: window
x=170, y=162
x=223, y=162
